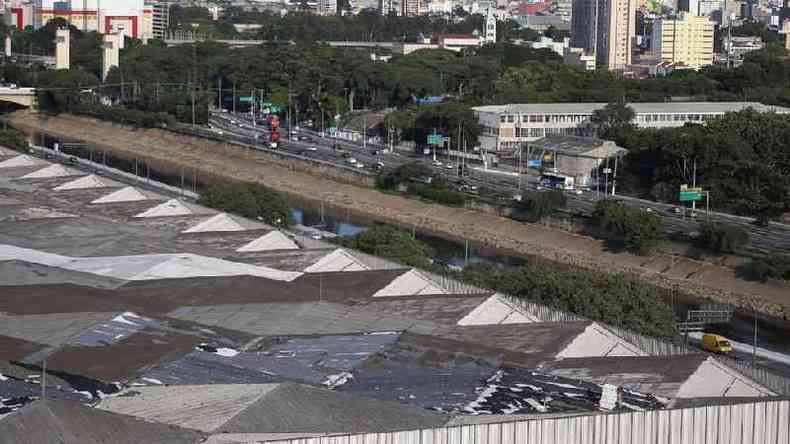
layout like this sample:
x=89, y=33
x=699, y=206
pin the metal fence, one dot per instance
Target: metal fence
x=766, y=422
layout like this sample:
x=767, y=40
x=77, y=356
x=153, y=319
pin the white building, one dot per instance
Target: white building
x=490, y=32
x=129, y=17
x=326, y=7
x=557, y=47
x=508, y=126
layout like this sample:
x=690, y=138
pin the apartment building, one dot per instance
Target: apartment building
x=606, y=29
x=686, y=39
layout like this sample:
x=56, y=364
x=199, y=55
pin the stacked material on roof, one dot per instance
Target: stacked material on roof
x=411, y=283
x=55, y=170
x=20, y=161
x=497, y=310
x=33, y=213
x=225, y=222
x=337, y=260
x=272, y=241
x=125, y=194
x=88, y=182
x=146, y=267
x=172, y=207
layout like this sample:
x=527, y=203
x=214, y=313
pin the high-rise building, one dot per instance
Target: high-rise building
x=326, y=7
x=407, y=8
x=606, y=29
x=686, y=39
x=690, y=6
x=160, y=18
x=129, y=17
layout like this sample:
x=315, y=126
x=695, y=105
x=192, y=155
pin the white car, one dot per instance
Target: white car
x=449, y=166
x=351, y=160
x=436, y=163
x=312, y=148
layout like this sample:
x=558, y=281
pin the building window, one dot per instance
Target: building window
x=510, y=118
x=503, y=118
x=536, y=133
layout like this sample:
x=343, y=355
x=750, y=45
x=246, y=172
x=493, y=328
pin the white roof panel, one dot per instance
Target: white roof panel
x=410, y=283
x=274, y=240
x=337, y=260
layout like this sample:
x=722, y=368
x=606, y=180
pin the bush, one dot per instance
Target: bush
x=254, y=201
x=535, y=206
x=390, y=243
x=762, y=269
x=439, y=193
x=722, y=238
x=14, y=139
x=391, y=179
x=141, y=119
x=610, y=298
x=639, y=231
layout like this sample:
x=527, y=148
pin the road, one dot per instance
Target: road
x=502, y=183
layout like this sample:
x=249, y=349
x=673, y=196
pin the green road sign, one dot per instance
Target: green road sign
x=688, y=196
x=245, y=99
x=435, y=139
x=332, y=130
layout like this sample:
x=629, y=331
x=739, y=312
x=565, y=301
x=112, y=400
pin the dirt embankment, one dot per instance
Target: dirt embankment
x=216, y=160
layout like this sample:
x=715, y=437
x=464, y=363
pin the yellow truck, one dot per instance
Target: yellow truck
x=716, y=343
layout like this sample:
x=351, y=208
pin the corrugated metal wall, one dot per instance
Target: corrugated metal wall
x=751, y=423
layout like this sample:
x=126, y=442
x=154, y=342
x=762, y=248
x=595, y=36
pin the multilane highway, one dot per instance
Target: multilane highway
x=503, y=184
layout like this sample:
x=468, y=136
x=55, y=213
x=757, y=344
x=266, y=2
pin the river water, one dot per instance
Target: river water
x=772, y=332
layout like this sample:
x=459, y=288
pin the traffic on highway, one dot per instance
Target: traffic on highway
x=503, y=183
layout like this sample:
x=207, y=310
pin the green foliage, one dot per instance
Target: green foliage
x=610, y=298
x=438, y=192
x=133, y=117
x=615, y=118
x=537, y=205
x=762, y=269
x=14, y=139
x=251, y=200
x=391, y=179
x=639, y=231
x=447, y=119
x=743, y=158
x=722, y=238
x=390, y=243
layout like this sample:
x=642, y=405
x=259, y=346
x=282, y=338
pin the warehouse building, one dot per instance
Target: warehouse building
x=505, y=127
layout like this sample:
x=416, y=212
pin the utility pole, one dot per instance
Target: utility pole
x=754, y=349
x=614, y=175
x=364, y=132
x=234, y=97
x=694, y=184
x=219, y=93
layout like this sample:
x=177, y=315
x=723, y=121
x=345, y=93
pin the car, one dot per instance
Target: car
x=312, y=148
x=359, y=165
x=345, y=155
x=379, y=165
x=374, y=153
x=449, y=166
x=436, y=163
x=306, y=139
x=352, y=160
x=676, y=210
x=316, y=236
x=647, y=209
x=574, y=191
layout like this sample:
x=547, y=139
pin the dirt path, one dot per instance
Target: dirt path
x=215, y=159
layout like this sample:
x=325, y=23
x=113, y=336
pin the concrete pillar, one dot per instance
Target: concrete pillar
x=62, y=59
x=110, y=54
x=8, y=45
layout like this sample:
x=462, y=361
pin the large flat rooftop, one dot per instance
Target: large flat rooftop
x=639, y=108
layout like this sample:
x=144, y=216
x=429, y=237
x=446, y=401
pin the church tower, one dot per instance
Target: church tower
x=490, y=34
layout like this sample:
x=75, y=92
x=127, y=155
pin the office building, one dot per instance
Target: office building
x=508, y=126
x=128, y=17
x=686, y=39
x=406, y=8
x=606, y=29
x=326, y=7
x=160, y=18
